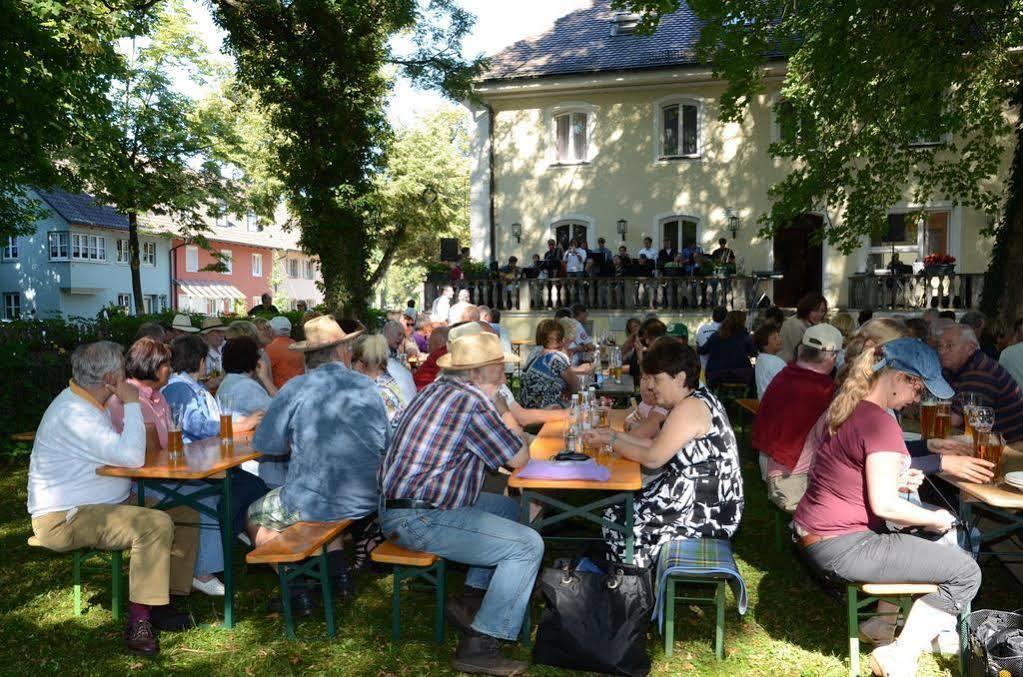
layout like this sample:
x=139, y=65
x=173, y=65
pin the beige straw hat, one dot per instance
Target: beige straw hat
x=183, y=323
x=211, y=324
x=469, y=351
x=322, y=332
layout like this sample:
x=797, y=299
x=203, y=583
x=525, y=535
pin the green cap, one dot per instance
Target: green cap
x=678, y=330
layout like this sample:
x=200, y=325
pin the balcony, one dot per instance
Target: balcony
x=916, y=292
x=736, y=292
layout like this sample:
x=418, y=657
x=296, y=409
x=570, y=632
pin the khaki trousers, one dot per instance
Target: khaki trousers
x=163, y=550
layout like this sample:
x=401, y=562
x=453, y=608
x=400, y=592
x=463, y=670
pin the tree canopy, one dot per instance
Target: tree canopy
x=318, y=66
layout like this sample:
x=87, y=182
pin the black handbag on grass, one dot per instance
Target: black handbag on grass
x=595, y=618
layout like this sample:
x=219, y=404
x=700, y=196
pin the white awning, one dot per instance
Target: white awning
x=208, y=290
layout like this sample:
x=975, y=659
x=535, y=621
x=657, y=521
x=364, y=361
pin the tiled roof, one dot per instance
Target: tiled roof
x=581, y=42
x=80, y=209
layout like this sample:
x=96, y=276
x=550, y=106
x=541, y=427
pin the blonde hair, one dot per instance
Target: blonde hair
x=240, y=328
x=843, y=322
x=569, y=327
x=371, y=350
x=872, y=334
x=859, y=379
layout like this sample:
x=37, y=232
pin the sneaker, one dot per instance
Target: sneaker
x=168, y=617
x=878, y=630
x=892, y=660
x=140, y=638
x=480, y=655
x=946, y=643
x=213, y=587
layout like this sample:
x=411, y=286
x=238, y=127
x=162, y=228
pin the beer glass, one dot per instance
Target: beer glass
x=928, y=409
x=988, y=445
x=175, y=442
x=226, y=426
x=942, y=426
x=983, y=420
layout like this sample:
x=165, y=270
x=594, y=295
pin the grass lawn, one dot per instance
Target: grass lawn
x=792, y=628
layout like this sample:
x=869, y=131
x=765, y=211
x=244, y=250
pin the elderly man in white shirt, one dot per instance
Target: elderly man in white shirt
x=73, y=507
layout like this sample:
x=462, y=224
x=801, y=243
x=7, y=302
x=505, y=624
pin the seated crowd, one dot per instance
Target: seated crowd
x=346, y=431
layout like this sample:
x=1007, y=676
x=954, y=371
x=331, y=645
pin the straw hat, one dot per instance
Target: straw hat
x=322, y=332
x=183, y=323
x=470, y=351
x=211, y=324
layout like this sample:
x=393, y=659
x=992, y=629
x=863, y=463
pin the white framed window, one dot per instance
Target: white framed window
x=150, y=303
x=123, y=253
x=912, y=237
x=12, y=305
x=257, y=300
x=88, y=247
x=227, y=258
x=223, y=219
x=257, y=265
x=310, y=269
x=124, y=301
x=11, y=249
x=293, y=268
x=253, y=223
x=59, y=248
x=213, y=307
x=149, y=253
x=789, y=125
x=571, y=132
x=191, y=259
x=678, y=228
x=569, y=229
x=678, y=125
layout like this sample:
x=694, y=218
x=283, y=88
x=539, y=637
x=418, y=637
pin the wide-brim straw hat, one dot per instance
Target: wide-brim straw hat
x=474, y=350
x=322, y=332
x=183, y=323
x=212, y=324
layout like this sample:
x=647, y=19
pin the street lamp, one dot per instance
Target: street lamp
x=734, y=222
x=623, y=226
x=516, y=230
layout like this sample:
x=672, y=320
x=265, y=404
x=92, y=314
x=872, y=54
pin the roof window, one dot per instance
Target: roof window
x=624, y=23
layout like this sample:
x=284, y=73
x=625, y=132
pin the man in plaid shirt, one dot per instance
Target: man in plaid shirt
x=431, y=481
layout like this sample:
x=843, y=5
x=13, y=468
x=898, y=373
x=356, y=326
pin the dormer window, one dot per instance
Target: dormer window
x=624, y=23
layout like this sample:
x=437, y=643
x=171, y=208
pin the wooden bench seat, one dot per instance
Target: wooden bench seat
x=298, y=542
x=898, y=589
x=289, y=550
x=30, y=436
x=392, y=553
x=752, y=406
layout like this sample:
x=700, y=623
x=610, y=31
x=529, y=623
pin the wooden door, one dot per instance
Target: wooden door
x=798, y=255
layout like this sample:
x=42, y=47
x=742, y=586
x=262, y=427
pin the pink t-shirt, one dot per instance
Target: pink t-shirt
x=154, y=407
x=835, y=501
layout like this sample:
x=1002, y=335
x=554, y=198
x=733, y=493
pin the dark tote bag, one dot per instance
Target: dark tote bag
x=595, y=618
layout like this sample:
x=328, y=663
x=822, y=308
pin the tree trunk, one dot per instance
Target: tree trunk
x=133, y=257
x=1003, y=290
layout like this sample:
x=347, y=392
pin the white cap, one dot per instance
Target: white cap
x=281, y=325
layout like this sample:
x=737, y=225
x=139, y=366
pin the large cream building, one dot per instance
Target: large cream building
x=588, y=124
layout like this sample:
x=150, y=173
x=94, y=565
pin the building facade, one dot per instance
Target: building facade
x=589, y=125
x=76, y=262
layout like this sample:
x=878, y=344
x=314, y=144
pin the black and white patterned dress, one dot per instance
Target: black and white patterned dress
x=698, y=494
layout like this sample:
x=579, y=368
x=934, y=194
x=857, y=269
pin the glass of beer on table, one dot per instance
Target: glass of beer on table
x=175, y=442
x=928, y=409
x=226, y=426
x=967, y=401
x=942, y=426
x=988, y=445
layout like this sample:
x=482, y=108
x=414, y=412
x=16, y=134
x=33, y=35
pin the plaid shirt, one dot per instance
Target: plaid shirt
x=447, y=437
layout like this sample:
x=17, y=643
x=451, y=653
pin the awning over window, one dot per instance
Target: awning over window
x=208, y=290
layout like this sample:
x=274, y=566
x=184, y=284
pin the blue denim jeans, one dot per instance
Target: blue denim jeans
x=503, y=555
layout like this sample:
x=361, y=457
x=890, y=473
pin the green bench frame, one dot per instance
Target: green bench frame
x=718, y=600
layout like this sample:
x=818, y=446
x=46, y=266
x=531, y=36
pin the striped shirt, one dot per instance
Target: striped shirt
x=446, y=439
x=980, y=374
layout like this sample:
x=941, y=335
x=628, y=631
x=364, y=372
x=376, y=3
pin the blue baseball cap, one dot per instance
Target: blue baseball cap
x=913, y=356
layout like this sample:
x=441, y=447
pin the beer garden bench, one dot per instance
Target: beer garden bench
x=301, y=549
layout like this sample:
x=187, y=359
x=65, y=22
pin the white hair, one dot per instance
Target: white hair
x=91, y=362
x=966, y=334
x=463, y=295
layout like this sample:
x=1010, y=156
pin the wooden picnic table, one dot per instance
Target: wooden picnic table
x=625, y=479
x=206, y=461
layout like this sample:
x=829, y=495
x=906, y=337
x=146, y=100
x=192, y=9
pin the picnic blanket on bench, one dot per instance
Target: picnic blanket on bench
x=710, y=557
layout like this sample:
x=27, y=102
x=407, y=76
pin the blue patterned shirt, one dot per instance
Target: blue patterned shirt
x=446, y=439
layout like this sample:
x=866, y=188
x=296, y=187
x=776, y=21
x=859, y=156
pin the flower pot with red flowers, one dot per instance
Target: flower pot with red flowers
x=939, y=264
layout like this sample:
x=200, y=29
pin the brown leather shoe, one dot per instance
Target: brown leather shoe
x=481, y=655
x=140, y=638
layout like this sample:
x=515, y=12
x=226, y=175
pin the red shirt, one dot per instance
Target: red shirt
x=788, y=411
x=428, y=370
x=835, y=502
x=285, y=364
